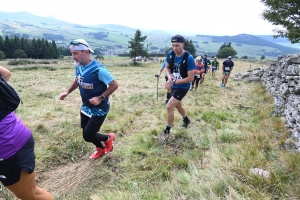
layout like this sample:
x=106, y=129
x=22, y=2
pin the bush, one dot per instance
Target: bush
x=2, y=55
x=225, y=52
x=44, y=62
x=19, y=53
x=26, y=62
x=20, y=62
x=99, y=57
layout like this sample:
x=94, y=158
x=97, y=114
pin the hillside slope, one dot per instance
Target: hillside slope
x=113, y=38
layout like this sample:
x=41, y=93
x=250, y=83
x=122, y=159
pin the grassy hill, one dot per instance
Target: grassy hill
x=113, y=39
x=232, y=131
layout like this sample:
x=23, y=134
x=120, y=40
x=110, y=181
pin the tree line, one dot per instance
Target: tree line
x=16, y=47
x=137, y=47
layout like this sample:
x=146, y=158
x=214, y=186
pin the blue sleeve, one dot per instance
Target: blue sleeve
x=164, y=65
x=105, y=76
x=168, y=56
x=190, y=63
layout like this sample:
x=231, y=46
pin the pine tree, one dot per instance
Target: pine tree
x=136, y=45
x=189, y=46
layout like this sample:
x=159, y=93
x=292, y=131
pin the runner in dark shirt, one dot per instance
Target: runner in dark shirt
x=227, y=68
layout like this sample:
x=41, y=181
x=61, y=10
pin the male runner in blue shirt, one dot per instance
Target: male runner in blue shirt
x=95, y=85
x=180, y=71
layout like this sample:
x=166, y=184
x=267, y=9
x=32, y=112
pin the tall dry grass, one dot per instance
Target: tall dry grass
x=232, y=131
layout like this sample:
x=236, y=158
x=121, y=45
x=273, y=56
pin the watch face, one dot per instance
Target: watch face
x=102, y=97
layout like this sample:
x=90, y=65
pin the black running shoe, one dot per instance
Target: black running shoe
x=186, y=122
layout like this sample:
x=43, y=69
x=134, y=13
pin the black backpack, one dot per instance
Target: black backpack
x=10, y=96
x=183, y=65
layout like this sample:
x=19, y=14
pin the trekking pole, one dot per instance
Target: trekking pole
x=157, y=77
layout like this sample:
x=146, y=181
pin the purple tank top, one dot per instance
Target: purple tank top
x=13, y=135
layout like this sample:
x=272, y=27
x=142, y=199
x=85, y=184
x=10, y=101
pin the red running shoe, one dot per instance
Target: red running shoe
x=109, y=144
x=97, y=154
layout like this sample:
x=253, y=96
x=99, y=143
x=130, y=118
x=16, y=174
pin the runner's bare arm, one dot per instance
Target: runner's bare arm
x=5, y=73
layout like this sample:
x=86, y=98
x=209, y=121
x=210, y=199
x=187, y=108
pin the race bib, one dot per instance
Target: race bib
x=197, y=75
x=176, y=76
x=227, y=68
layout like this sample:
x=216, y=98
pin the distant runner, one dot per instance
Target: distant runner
x=227, y=68
x=197, y=72
x=215, y=67
x=206, y=63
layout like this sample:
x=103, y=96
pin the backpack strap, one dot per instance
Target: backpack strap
x=183, y=65
x=185, y=57
x=10, y=96
x=172, y=59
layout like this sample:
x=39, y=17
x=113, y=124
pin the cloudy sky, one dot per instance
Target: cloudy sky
x=213, y=17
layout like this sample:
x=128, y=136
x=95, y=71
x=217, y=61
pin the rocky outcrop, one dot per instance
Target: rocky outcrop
x=282, y=81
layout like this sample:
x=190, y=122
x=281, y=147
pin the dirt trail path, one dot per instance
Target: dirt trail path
x=65, y=179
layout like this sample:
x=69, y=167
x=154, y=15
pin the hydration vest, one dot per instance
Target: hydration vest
x=183, y=64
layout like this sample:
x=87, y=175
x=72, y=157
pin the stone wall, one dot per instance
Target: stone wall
x=281, y=80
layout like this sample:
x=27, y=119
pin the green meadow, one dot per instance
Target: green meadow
x=232, y=131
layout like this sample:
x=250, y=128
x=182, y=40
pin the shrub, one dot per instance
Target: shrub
x=20, y=62
x=19, y=53
x=2, y=55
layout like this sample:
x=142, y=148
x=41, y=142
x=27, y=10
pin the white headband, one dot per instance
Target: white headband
x=80, y=47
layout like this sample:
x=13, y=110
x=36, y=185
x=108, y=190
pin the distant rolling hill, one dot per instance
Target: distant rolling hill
x=280, y=41
x=113, y=38
x=262, y=46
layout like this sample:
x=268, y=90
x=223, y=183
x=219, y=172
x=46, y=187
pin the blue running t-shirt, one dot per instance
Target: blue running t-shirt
x=93, y=80
x=177, y=63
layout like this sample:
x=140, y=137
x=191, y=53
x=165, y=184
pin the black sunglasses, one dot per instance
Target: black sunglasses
x=73, y=42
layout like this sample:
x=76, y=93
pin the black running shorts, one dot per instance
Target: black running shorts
x=24, y=159
x=178, y=93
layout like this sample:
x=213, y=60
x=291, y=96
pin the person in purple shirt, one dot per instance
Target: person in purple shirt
x=17, y=158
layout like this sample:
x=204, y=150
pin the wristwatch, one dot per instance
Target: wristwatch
x=102, y=97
